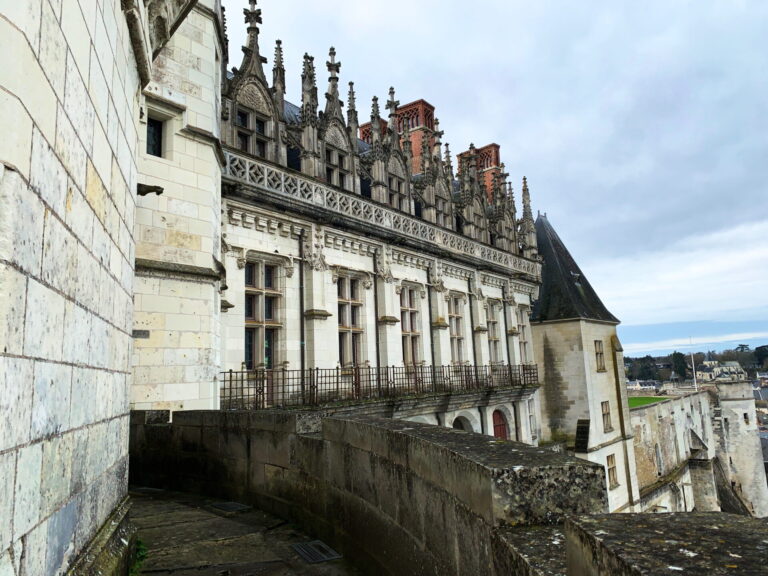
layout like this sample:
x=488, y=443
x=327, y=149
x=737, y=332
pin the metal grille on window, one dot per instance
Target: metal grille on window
x=263, y=296
x=350, y=317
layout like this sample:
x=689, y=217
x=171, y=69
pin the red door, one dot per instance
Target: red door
x=500, y=428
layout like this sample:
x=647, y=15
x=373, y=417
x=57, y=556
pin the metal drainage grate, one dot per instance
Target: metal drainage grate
x=230, y=507
x=316, y=552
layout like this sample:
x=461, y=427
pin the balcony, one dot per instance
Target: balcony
x=261, y=389
x=316, y=196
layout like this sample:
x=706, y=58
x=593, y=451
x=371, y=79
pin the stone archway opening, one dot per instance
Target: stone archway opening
x=461, y=423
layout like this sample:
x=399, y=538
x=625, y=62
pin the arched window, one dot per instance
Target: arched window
x=500, y=427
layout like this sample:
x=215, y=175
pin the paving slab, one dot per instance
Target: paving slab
x=187, y=535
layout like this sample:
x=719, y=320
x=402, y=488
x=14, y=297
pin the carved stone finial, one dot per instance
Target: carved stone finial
x=279, y=54
x=527, y=211
x=375, y=112
x=392, y=104
x=333, y=67
x=252, y=16
x=352, y=120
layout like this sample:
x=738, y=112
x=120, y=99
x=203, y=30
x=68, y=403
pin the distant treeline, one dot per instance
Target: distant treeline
x=678, y=364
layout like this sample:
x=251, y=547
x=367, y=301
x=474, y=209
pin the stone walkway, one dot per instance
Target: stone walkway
x=192, y=536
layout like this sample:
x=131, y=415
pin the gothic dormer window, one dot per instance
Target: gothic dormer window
x=397, y=198
x=251, y=136
x=337, y=168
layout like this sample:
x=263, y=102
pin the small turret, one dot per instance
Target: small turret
x=352, y=120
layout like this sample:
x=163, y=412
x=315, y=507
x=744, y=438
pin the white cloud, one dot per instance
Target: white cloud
x=706, y=277
x=692, y=344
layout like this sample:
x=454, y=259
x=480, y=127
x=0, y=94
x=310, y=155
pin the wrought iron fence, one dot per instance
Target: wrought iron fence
x=259, y=389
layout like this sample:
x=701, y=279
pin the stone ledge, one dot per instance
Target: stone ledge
x=654, y=544
x=110, y=552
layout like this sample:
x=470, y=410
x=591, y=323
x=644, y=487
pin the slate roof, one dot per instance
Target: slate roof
x=565, y=292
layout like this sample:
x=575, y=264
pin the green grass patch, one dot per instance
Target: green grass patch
x=637, y=401
x=140, y=555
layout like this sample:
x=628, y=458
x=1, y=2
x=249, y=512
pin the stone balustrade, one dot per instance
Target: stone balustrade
x=263, y=176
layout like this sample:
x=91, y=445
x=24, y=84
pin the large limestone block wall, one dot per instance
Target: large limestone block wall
x=397, y=497
x=68, y=115
x=177, y=310
x=665, y=439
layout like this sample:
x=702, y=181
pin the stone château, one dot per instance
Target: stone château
x=180, y=242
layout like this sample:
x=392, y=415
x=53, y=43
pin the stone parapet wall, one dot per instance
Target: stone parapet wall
x=656, y=544
x=406, y=497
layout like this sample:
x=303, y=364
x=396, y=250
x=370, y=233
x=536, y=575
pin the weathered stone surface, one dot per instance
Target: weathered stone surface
x=186, y=534
x=405, y=498
x=651, y=544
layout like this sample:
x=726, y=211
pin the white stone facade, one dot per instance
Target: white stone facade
x=176, y=324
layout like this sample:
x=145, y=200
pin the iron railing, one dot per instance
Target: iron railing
x=259, y=389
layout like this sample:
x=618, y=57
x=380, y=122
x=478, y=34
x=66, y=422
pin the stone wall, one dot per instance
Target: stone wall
x=667, y=435
x=739, y=446
x=657, y=544
x=177, y=305
x=68, y=176
x=404, y=497
x=574, y=387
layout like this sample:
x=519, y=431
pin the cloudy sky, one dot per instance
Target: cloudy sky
x=641, y=126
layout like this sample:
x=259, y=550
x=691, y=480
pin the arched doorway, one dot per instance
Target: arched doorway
x=500, y=426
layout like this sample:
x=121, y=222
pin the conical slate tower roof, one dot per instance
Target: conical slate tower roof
x=565, y=292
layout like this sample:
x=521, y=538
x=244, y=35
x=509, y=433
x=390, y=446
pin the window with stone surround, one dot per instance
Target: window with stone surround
x=443, y=213
x=456, y=327
x=251, y=132
x=337, y=168
x=351, y=319
x=397, y=197
x=410, y=324
x=155, y=137
x=523, y=329
x=606, y=409
x=599, y=356
x=613, y=477
x=532, y=418
x=263, y=306
x=494, y=334
x=160, y=126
